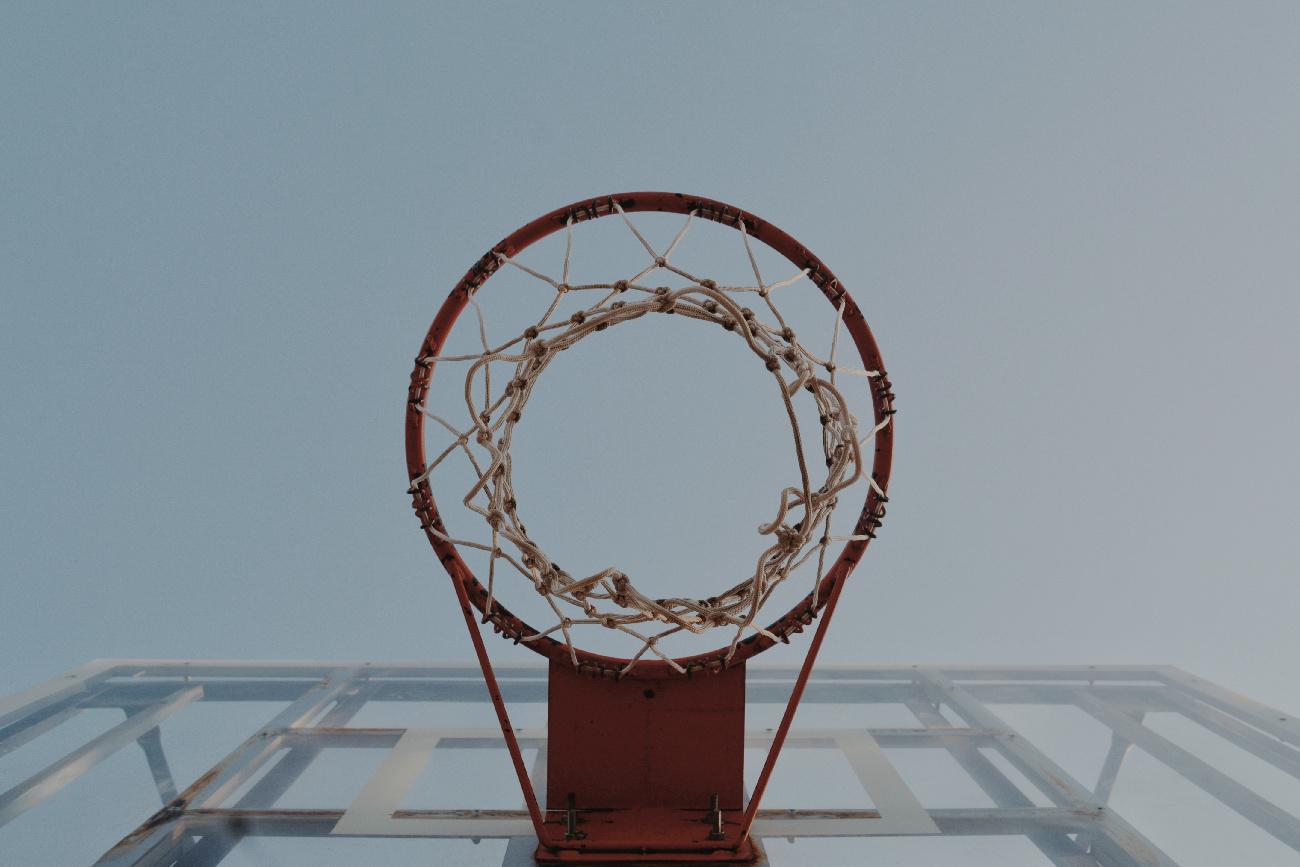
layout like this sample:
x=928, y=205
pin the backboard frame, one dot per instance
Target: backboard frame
x=200, y=823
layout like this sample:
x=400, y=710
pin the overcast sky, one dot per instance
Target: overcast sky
x=1073, y=228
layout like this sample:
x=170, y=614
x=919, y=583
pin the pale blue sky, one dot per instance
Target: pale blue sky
x=225, y=229
x=1072, y=228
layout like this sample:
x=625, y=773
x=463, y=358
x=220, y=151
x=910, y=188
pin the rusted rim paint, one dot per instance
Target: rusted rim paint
x=873, y=509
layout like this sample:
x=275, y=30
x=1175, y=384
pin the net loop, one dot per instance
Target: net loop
x=608, y=598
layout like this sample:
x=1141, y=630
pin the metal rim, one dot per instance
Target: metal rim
x=873, y=509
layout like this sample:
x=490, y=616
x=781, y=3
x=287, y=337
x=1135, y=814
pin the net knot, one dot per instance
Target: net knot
x=791, y=540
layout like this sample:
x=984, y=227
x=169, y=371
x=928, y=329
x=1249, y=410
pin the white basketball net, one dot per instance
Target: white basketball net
x=608, y=598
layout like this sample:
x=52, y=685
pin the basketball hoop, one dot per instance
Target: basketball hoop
x=704, y=774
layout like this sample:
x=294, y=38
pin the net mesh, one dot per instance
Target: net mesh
x=799, y=530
